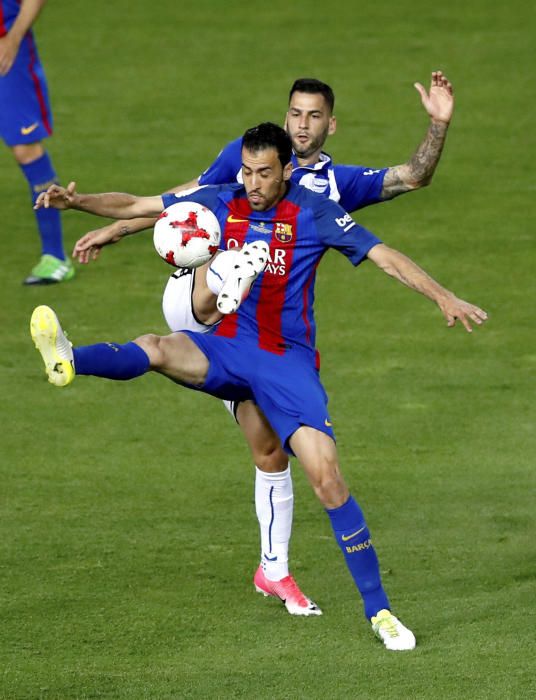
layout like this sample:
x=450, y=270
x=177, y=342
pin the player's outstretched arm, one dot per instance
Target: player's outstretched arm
x=419, y=170
x=89, y=246
x=406, y=271
x=115, y=205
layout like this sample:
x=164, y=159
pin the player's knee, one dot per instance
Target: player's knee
x=272, y=458
x=328, y=484
x=154, y=347
x=27, y=153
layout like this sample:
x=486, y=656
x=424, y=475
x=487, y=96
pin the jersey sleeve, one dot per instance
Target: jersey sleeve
x=336, y=229
x=168, y=199
x=358, y=186
x=226, y=167
x=207, y=196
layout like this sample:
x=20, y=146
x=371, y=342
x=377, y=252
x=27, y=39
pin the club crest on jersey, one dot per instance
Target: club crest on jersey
x=314, y=182
x=283, y=232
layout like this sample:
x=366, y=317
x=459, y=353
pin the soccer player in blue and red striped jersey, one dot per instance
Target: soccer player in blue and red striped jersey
x=266, y=350
x=188, y=304
x=25, y=120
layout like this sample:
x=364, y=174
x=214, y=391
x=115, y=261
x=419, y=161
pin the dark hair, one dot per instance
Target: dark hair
x=313, y=87
x=269, y=135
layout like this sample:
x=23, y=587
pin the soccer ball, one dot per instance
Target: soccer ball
x=186, y=234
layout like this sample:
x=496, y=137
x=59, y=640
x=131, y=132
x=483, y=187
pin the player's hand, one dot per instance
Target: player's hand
x=57, y=197
x=8, y=53
x=90, y=245
x=439, y=102
x=454, y=309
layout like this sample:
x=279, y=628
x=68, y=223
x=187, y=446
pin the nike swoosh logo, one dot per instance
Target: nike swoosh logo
x=327, y=423
x=232, y=220
x=25, y=130
x=345, y=538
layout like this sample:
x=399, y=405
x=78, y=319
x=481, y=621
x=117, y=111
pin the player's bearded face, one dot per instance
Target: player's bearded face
x=265, y=179
x=308, y=123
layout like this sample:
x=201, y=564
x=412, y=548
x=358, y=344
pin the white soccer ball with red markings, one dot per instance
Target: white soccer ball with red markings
x=186, y=234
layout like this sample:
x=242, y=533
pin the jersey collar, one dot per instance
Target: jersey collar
x=239, y=205
x=323, y=163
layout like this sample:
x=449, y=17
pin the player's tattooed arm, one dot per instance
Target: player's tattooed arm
x=89, y=246
x=419, y=170
x=407, y=272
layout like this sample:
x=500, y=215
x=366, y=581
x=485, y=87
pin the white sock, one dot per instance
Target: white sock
x=219, y=269
x=274, y=501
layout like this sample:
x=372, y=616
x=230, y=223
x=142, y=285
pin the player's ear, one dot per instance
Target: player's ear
x=285, y=122
x=287, y=171
x=332, y=127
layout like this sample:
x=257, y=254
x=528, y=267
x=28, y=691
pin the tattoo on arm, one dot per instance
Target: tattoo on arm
x=418, y=171
x=393, y=184
x=130, y=226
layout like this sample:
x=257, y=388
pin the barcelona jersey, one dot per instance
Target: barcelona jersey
x=278, y=313
x=25, y=114
x=352, y=186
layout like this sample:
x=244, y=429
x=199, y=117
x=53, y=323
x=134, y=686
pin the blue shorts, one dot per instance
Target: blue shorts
x=25, y=115
x=286, y=388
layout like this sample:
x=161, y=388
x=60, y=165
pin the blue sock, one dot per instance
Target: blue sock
x=111, y=361
x=353, y=537
x=40, y=175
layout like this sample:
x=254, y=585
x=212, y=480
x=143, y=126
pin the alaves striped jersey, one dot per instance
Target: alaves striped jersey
x=352, y=186
x=278, y=313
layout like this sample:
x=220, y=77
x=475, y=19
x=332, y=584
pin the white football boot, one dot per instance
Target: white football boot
x=392, y=632
x=249, y=264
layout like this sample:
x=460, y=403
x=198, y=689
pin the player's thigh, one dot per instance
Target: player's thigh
x=289, y=393
x=229, y=372
x=262, y=440
x=176, y=356
x=203, y=297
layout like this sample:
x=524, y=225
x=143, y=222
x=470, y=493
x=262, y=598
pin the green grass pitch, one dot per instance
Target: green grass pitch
x=128, y=536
